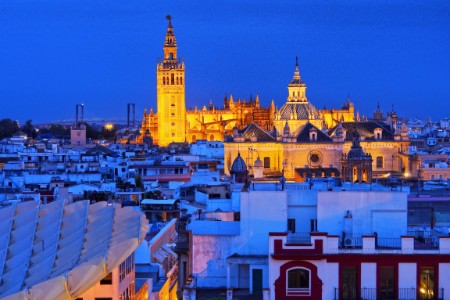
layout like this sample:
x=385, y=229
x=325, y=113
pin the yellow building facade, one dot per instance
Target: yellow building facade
x=307, y=139
x=294, y=137
x=173, y=123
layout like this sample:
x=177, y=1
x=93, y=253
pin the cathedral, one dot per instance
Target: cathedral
x=173, y=123
x=296, y=140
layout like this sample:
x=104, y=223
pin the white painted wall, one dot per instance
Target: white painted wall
x=383, y=212
x=214, y=241
x=329, y=274
x=332, y=278
x=444, y=279
x=209, y=264
x=407, y=275
x=368, y=275
x=302, y=206
x=261, y=212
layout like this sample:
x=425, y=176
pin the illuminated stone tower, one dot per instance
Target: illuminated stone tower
x=170, y=93
x=297, y=88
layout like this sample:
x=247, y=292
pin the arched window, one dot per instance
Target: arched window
x=164, y=80
x=181, y=80
x=177, y=80
x=172, y=79
x=194, y=138
x=298, y=282
x=211, y=137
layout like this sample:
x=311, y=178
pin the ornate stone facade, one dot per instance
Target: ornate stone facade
x=290, y=139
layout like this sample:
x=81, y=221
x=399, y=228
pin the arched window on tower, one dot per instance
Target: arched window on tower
x=164, y=80
x=181, y=80
x=172, y=79
x=177, y=80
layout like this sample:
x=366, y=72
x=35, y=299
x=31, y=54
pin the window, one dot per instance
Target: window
x=126, y=267
x=313, y=225
x=386, y=283
x=432, y=177
x=291, y=225
x=107, y=280
x=441, y=177
x=426, y=287
x=379, y=162
x=266, y=162
x=349, y=283
x=298, y=282
x=172, y=79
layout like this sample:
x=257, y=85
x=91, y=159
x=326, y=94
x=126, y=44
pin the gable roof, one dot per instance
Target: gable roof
x=253, y=130
x=303, y=134
x=365, y=129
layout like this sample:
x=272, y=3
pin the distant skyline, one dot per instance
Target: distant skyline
x=58, y=53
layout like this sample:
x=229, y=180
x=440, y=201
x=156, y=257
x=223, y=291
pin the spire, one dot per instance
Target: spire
x=296, y=72
x=170, y=43
x=257, y=104
x=297, y=88
x=378, y=114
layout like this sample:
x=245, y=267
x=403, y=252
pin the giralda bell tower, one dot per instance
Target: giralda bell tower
x=170, y=93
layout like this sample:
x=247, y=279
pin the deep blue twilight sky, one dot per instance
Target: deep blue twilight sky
x=56, y=53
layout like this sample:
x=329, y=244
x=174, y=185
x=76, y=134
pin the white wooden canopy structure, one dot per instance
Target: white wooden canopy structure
x=59, y=250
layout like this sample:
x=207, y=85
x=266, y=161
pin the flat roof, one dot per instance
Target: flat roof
x=159, y=201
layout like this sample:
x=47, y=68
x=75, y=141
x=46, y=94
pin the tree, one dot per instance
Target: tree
x=7, y=128
x=92, y=132
x=29, y=129
x=108, y=132
x=56, y=130
x=138, y=182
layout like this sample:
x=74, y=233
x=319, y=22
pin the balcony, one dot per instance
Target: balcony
x=359, y=243
x=373, y=294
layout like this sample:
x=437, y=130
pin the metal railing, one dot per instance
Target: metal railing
x=368, y=293
x=298, y=238
x=407, y=294
x=354, y=241
x=373, y=293
x=388, y=243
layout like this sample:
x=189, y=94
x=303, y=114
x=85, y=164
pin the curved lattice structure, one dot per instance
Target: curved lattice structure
x=59, y=250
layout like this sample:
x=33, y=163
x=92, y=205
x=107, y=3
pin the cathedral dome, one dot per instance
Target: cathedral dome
x=356, y=152
x=299, y=111
x=238, y=165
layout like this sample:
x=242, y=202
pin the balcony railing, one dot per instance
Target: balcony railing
x=368, y=294
x=407, y=294
x=388, y=243
x=355, y=242
x=373, y=294
x=298, y=238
